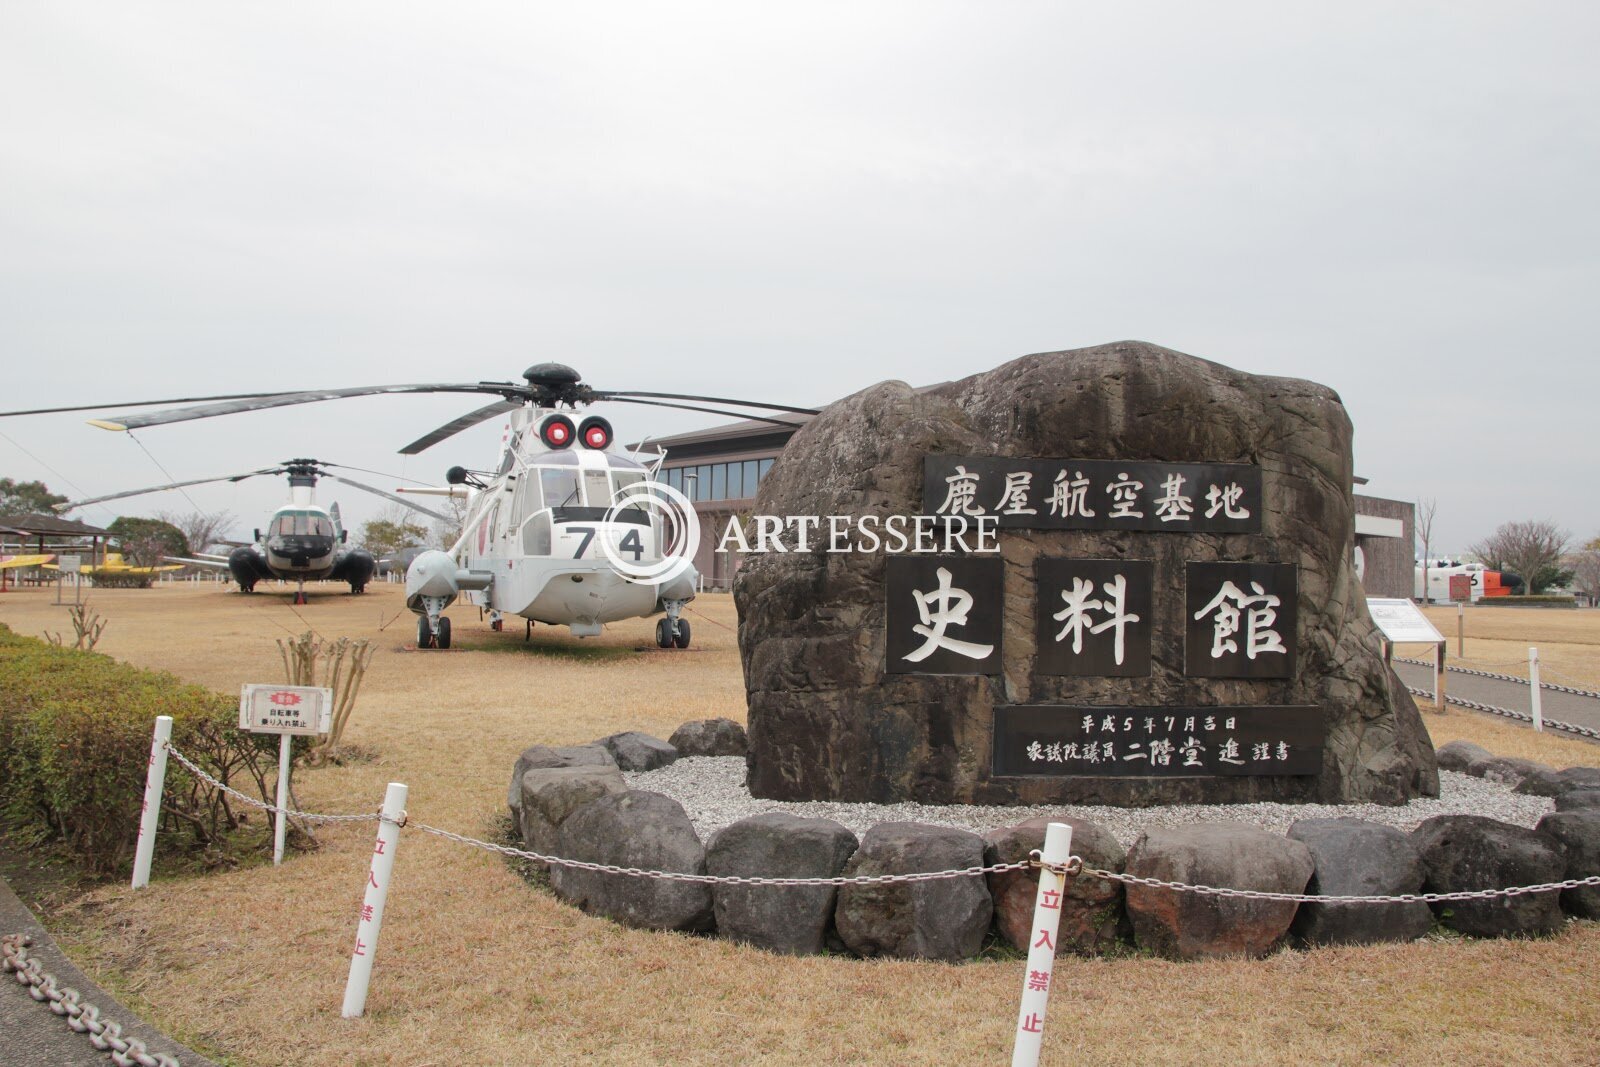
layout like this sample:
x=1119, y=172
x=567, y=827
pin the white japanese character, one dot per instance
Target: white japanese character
x=1226, y=500
x=1014, y=497
x=1257, y=609
x=1124, y=495
x=952, y=611
x=1172, y=505
x=1070, y=498
x=960, y=493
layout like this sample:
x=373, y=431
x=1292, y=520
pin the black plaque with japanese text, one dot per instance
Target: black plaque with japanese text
x=1094, y=617
x=1165, y=742
x=944, y=614
x=1240, y=619
x=1095, y=494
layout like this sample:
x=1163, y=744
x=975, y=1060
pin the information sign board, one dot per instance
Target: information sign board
x=1401, y=622
x=286, y=709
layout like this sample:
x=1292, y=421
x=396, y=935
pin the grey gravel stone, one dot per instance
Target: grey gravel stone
x=790, y=919
x=712, y=791
x=635, y=751
x=710, y=737
x=634, y=829
x=547, y=756
x=1459, y=755
x=1578, y=800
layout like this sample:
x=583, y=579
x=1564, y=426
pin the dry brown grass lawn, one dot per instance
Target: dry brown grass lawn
x=477, y=967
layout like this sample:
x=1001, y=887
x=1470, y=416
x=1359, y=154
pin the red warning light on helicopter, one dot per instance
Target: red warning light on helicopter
x=285, y=699
x=557, y=431
x=596, y=432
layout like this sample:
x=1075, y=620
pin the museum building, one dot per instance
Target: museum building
x=719, y=469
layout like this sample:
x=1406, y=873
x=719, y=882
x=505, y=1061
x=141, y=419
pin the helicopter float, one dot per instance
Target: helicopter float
x=303, y=541
x=567, y=528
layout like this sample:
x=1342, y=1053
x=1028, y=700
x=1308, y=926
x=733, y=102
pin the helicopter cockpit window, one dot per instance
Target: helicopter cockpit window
x=627, y=480
x=597, y=485
x=560, y=487
x=303, y=524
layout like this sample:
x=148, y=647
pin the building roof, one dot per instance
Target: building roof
x=48, y=525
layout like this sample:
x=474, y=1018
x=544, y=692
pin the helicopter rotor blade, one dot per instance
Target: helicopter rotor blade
x=619, y=394
x=137, y=404
x=381, y=474
x=158, y=488
x=455, y=426
x=278, y=400
x=699, y=407
x=390, y=496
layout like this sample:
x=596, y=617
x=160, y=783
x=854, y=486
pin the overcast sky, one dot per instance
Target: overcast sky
x=790, y=204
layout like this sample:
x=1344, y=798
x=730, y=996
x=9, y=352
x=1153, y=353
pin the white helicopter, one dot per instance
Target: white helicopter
x=567, y=529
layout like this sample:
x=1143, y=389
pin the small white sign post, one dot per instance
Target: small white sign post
x=391, y=818
x=1537, y=706
x=155, y=780
x=285, y=710
x=1042, y=951
x=1403, y=624
x=66, y=565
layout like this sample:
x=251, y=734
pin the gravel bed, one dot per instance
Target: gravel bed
x=711, y=789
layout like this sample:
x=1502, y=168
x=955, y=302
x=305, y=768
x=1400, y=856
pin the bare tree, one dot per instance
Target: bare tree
x=1424, y=527
x=1585, y=567
x=447, y=531
x=201, y=529
x=1525, y=548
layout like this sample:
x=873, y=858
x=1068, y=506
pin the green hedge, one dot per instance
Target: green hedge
x=75, y=741
x=1543, y=600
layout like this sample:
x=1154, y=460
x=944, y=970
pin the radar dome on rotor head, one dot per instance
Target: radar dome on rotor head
x=552, y=375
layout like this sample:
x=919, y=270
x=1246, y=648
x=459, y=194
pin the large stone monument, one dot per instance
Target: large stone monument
x=1165, y=608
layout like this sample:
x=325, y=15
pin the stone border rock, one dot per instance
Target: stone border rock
x=573, y=802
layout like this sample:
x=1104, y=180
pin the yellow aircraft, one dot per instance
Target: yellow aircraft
x=17, y=563
x=114, y=566
x=8, y=563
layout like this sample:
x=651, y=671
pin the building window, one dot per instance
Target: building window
x=735, y=480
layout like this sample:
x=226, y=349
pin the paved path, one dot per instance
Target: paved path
x=31, y=1035
x=1564, y=707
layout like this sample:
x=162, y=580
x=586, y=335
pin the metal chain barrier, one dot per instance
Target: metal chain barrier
x=81, y=1016
x=1073, y=866
x=1574, y=691
x=245, y=798
x=1510, y=713
x=717, y=879
x=1311, y=898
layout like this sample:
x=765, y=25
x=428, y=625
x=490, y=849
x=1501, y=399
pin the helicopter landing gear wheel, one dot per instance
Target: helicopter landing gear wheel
x=357, y=590
x=299, y=597
x=424, y=633
x=681, y=638
x=442, y=638
x=663, y=633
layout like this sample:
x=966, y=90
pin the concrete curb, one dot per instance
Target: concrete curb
x=34, y=1036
